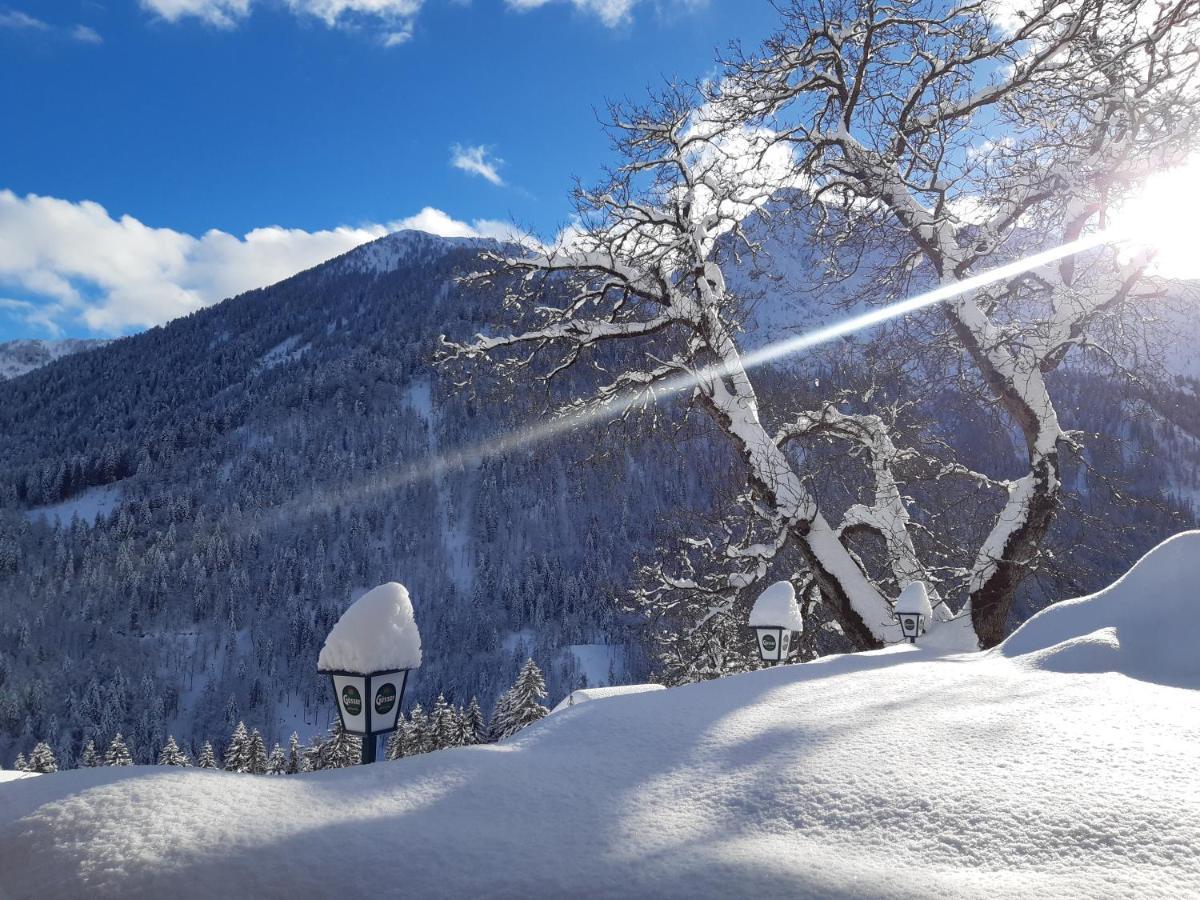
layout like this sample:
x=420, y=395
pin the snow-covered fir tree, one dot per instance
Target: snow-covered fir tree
x=89, y=759
x=394, y=749
x=207, y=758
x=475, y=725
x=20, y=763
x=337, y=751
x=172, y=755
x=257, y=754
x=42, y=759
x=277, y=762
x=416, y=734
x=442, y=731
x=295, y=759
x=521, y=704
x=117, y=753
x=237, y=751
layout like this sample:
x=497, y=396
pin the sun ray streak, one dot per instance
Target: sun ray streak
x=529, y=437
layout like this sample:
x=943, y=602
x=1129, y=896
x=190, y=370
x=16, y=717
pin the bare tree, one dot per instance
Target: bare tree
x=959, y=143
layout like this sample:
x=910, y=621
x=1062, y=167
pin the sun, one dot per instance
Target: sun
x=1165, y=215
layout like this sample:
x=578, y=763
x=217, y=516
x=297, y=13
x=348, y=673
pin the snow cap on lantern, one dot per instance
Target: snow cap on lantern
x=913, y=610
x=377, y=632
x=776, y=621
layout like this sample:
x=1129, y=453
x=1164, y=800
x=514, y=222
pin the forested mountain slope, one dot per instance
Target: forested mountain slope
x=184, y=513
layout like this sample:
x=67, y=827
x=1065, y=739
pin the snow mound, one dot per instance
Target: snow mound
x=600, y=693
x=776, y=607
x=1145, y=625
x=915, y=599
x=377, y=632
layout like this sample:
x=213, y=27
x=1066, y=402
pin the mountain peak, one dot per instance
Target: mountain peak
x=388, y=252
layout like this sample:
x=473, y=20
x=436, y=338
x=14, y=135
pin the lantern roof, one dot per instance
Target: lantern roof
x=377, y=633
x=914, y=599
x=776, y=608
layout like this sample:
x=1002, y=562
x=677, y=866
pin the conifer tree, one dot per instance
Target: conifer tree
x=337, y=751
x=441, y=725
x=294, y=760
x=256, y=754
x=395, y=742
x=117, y=753
x=417, y=733
x=20, y=764
x=520, y=704
x=90, y=758
x=207, y=759
x=172, y=755
x=42, y=760
x=278, y=761
x=476, y=727
x=237, y=753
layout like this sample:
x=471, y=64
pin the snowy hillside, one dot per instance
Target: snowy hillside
x=20, y=357
x=1040, y=769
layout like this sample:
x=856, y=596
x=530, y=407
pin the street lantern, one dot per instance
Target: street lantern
x=913, y=610
x=368, y=656
x=776, y=621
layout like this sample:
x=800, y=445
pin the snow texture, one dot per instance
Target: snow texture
x=14, y=775
x=776, y=607
x=376, y=633
x=915, y=599
x=583, y=695
x=1146, y=625
x=87, y=506
x=795, y=781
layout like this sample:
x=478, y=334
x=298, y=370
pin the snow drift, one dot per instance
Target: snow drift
x=897, y=773
x=1145, y=625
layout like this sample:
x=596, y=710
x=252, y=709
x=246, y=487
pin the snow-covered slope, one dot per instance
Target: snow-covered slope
x=899, y=773
x=20, y=357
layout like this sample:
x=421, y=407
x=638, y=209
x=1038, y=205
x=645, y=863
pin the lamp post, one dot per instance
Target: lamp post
x=368, y=656
x=913, y=610
x=776, y=621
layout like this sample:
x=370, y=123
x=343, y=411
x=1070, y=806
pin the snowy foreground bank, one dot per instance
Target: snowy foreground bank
x=1067, y=763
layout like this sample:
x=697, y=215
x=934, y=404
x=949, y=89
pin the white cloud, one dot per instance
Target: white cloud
x=395, y=16
x=86, y=35
x=20, y=20
x=475, y=161
x=74, y=263
x=611, y=12
x=221, y=13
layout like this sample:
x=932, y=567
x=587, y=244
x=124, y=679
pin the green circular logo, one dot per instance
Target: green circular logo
x=385, y=699
x=351, y=700
x=768, y=642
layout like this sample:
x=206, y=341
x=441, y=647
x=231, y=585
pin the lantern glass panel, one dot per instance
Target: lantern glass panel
x=387, y=690
x=769, y=643
x=351, y=694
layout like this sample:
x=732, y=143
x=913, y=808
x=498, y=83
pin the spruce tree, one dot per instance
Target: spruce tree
x=117, y=753
x=20, y=764
x=90, y=759
x=337, y=751
x=237, y=752
x=42, y=760
x=278, y=761
x=441, y=725
x=476, y=728
x=172, y=755
x=417, y=733
x=207, y=759
x=294, y=760
x=520, y=704
x=395, y=742
x=256, y=754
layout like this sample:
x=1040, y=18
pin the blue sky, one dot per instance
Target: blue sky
x=238, y=115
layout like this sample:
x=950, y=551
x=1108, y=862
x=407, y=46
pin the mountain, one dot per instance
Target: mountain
x=185, y=513
x=19, y=357
x=1071, y=772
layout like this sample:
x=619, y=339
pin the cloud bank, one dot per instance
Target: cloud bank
x=64, y=264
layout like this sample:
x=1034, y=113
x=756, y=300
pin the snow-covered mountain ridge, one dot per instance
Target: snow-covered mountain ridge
x=20, y=357
x=1039, y=769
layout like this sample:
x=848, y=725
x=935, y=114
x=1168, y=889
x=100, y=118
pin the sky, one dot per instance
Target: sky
x=157, y=156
